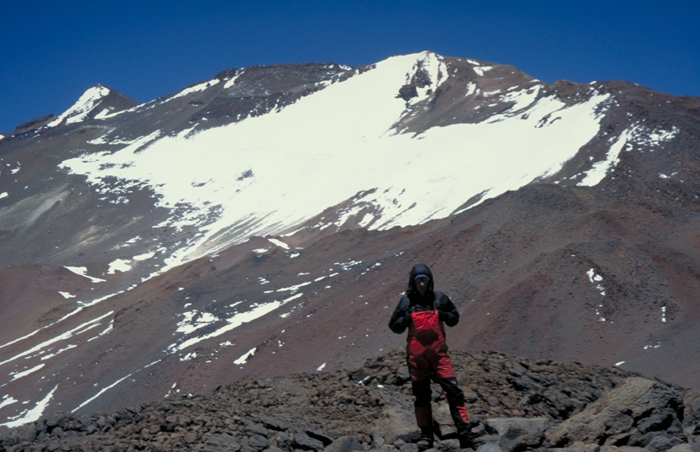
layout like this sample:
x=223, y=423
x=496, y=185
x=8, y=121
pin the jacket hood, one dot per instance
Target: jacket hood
x=419, y=269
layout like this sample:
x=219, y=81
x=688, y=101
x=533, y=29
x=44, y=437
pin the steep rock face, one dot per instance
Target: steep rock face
x=264, y=222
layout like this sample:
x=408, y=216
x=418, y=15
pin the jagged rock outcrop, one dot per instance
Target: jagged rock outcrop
x=633, y=414
x=515, y=404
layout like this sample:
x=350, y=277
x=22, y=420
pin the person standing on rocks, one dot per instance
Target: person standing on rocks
x=425, y=312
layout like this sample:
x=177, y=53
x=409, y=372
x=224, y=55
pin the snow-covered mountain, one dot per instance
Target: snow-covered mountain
x=263, y=222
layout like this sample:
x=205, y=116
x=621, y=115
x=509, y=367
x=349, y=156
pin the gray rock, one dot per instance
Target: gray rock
x=489, y=447
x=685, y=447
x=345, y=444
x=220, y=443
x=617, y=417
x=621, y=449
x=377, y=439
x=304, y=441
x=516, y=426
x=691, y=399
x=662, y=443
x=402, y=375
x=517, y=433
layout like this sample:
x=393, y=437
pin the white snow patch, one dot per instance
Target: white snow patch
x=121, y=265
x=189, y=357
x=321, y=367
x=635, y=134
x=199, y=87
x=279, y=243
x=68, y=347
x=42, y=328
x=234, y=322
x=294, y=288
x=232, y=81
x=32, y=415
x=244, y=358
x=102, y=391
x=7, y=400
x=596, y=279
x=107, y=330
x=61, y=337
x=3, y=195
x=82, y=271
x=652, y=345
x=105, y=113
x=480, y=70
x=18, y=375
x=329, y=137
x=194, y=321
x=98, y=300
x=144, y=256
x=66, y=294
x=85, y=104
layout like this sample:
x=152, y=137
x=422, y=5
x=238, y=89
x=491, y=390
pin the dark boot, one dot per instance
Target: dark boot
x=426, y=438
x=469, y=440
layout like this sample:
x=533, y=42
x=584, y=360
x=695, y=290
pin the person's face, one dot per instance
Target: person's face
x=422, y=285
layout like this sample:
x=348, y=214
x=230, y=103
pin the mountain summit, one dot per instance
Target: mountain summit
x=263, y=222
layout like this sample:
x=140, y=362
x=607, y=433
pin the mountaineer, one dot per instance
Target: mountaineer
x=425, y=312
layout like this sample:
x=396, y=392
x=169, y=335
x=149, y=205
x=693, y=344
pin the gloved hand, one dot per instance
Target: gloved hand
x=405, y=321
x=444, y=316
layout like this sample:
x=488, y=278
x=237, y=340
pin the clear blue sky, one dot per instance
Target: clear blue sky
x=52, y=51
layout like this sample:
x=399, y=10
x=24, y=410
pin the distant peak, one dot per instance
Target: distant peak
x=83, y=106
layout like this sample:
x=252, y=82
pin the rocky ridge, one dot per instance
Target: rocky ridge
x=516, y=404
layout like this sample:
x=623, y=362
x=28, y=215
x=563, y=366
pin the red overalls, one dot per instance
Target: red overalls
x=426, y=350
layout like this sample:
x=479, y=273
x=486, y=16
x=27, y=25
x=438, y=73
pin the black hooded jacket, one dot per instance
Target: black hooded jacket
x=413, y=301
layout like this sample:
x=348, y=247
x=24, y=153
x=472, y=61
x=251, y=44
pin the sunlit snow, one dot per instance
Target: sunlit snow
x=234, y=322
x=341, y=140
x=102, y=391
x=24, y=373
x=68, y=334
x=193, y=89
x=85, y=104
x=7, y=400
x=82, y=271
x=244, y=359
x=31, y=415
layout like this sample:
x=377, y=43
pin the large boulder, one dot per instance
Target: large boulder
x=691, y=420
x=516, y=433
x=632, y=414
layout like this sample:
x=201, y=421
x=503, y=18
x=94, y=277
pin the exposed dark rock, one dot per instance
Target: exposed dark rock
x=370, y=409
x=631, y=414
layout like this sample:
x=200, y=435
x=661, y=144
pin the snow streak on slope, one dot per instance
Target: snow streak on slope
x=267, y=174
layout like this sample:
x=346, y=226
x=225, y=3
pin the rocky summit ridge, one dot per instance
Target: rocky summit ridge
x=515, y=404
x=262, y=223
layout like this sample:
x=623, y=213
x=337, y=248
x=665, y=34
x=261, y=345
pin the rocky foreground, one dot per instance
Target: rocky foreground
x=515, y=403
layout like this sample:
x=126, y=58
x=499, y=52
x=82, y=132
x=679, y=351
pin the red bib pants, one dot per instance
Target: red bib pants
x=426, y=351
